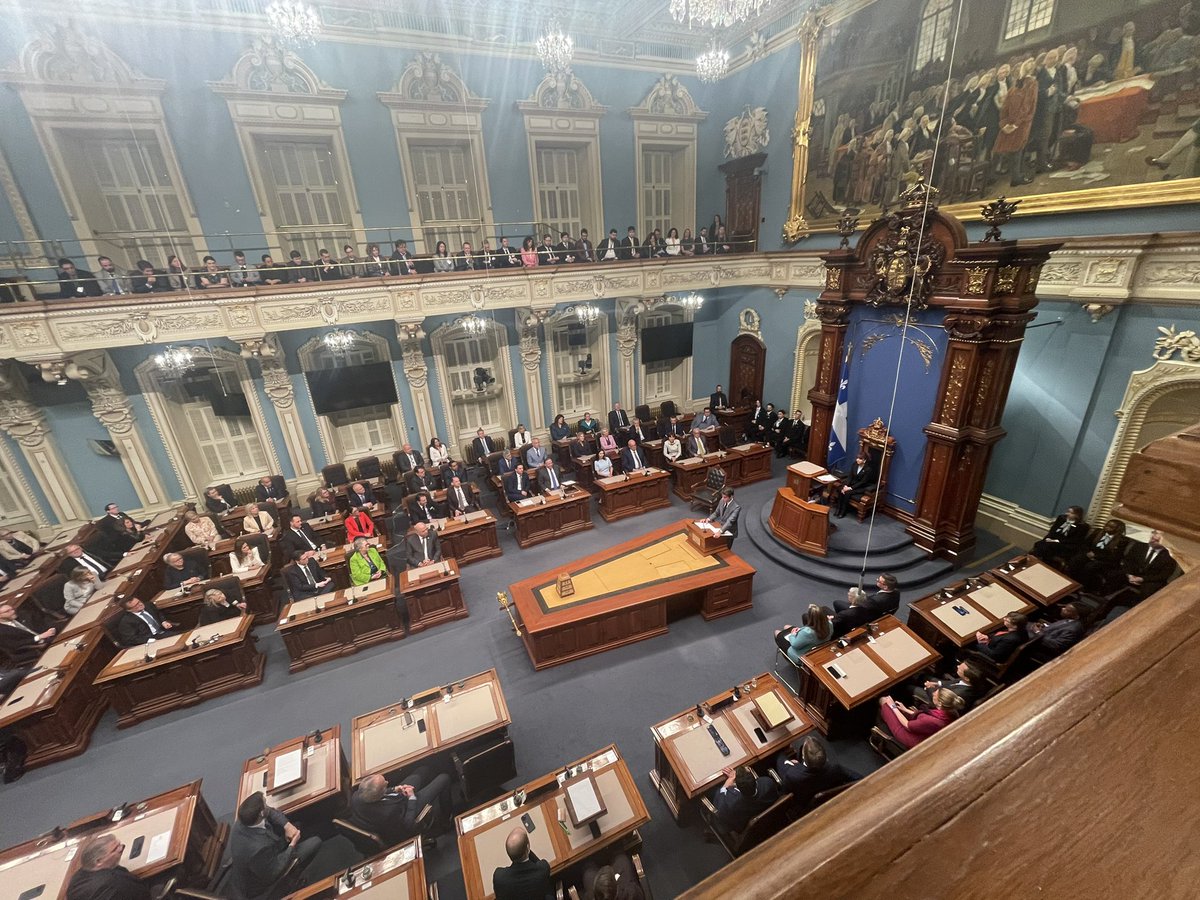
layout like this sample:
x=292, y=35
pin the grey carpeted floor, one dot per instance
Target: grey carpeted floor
x=559, y=715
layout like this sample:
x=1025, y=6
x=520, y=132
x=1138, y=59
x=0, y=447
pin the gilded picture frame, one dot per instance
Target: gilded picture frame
x=1109, y=131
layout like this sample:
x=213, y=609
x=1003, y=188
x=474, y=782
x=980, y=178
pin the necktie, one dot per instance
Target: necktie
x=425, y=545
x=1103, y=542
x=462, y=500
x=1150, y=556
x=92, y=564
x=307, y=539
x=309, y=575
x=700, y=446
x=412, y=462
x=637, y=463
x=22, y=626
x=720, y=509
x=155, y=628
x=553, y=479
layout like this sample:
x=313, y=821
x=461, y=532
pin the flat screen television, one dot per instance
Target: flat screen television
x=665, y=342
x=351, y=387
x=228, y=406
x=577, y=335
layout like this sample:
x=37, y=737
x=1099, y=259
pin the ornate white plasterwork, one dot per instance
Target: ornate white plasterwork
x=747, y=133
x=667, y=120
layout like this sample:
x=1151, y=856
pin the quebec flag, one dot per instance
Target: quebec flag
x=837, y=436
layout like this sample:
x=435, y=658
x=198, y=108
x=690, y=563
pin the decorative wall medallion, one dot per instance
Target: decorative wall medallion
x=1006, y=279
x=833, y=279
x=976, y=277
x=747, y=133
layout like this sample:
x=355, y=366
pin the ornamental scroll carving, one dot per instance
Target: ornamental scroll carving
x=20, y=418
x=747, y=133
x=110, y=404
x=412, y=356
x=627, y=336
x=1185, y=343
x=276, y=381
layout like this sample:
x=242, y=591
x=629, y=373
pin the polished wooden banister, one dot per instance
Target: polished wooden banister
x=1078, y=781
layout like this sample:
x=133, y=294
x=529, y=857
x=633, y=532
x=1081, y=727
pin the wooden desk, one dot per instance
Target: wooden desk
x=482, y=831
x=562, y=449
x=736, y=417
x=541, y=521
x=103, y=605
x=184, y=609
x=385, y=741
x=692, y=472
x=396, y=874
x=752, y=462
x=18, y=590
x=56, y=707
x=472, y=541
x=636, y=608
x=180, y=838
x=801, y=475
x=705, y=540
x=630, y=495
x=872, y=663
x=433, y=599
x=799, y=523
x=687, y=762
x=330, y=626
x=1034, y=579
x=325, y=788
x=653, y=450
x=182, y=675
x=951, y=617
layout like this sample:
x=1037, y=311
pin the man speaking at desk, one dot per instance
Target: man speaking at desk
x=725, y=516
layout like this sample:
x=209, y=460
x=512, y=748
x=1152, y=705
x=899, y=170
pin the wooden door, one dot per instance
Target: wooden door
x=743, y=190
x=747, y=368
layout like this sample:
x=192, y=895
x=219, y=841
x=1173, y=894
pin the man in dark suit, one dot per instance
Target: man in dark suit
x=852, y=612
x=264, y=844
x=632, y=458
x=630, y=245
x=506, y=256
x=1058, y=637
x=140, y=622
x=74, y=283
x=122, y=532
x=666, y=426
x=725, y=516
x=214, y=502
x=392, y=812
x=299, y=536
x=1147, y=567
x=885, y=601
x=408, y=459
x=637, y=432
x=181, y=571
x=584, y=251
x=422, y=546
x=422, y=509
x=100, y=875
x=609, y=249
x=861, y=479
x=360, y=494
x=796, y=436
x=742, y=797
x=460, y=499
x=20, y=643
x=756, y=428
x=507, y=463
x=696, y=445
x=806, y=770
x=266, y=492
x=565, y=248
x=526, y=877
x=466, y=260
x=483, y=445
x=420, y=480
x=618, y=419
x=306, y=578
x=516, y=484
x=1098, y=564
x=778, y=428
x=548, y=476
x=967, y=681
x=718, y=399
x=78, y=558
x=1064, y=539
x=1001, y=644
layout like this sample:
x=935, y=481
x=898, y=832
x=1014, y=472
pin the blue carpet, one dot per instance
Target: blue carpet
x=559, y=715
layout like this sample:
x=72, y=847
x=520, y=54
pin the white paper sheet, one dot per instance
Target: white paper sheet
x=583, y=797
x=159, y=845
x=287, y=767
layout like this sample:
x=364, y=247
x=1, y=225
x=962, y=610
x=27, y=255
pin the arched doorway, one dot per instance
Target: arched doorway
x=747, y=369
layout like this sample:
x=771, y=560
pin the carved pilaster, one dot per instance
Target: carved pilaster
x=277, y=384
x=834, y=316
x=531, y=363
x=25, y=423
x=412, y=356
x=627, y=338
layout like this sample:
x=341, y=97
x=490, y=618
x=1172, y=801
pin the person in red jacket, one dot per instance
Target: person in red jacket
x=359, y=524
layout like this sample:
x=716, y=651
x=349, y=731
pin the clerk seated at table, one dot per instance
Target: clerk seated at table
x=580, y=446
x=516, y=485
x=365, y=563
x=324, y=503
x=244, y=557
x=217, y=607
x=696, y=445
x=1000, y=645
x=672, y=448
x=215, y=503
x=359, y=524
x=392, y=811
x=360, y=494
x=704, y=420
x=855, y=614
x=305, y=577
x=796, y=640
x=299, y=536
x=459, y=499
x=100, y=875
x=910, y=726
x=422, y=546
x=559, y=429
x=420, y=480
x=423, y=510
x=180, y=571
x=1058, y=637
x=549, y=477
x=258, y=521
x=507, y=462
x=263, y=845
x=526, y=877
x=20, y=643
x=632, y=457
x=742, y=797
x=602, y=466
x=805, y=769
x=140, y=622
x=615, y=881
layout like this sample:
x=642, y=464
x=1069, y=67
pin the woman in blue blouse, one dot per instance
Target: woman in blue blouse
x=796, y=641
x=559, y=429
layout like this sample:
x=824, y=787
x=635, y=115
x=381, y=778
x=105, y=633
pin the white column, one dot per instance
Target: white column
x=531, y=364
x=627, y=338
x=412, y=357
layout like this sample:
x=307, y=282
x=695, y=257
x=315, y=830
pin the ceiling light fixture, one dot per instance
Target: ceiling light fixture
x=713, y=64
x=340, y=340
x=174, y=360
x=293, y=22
x=472, y=325
x=715, y=13
x=555, y=48
x=587, y=313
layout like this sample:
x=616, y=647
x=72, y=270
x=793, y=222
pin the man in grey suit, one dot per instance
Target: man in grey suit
x=725, y=516
x=422, y=546
x=264, y=845
x=536, y=454
x=549, y=477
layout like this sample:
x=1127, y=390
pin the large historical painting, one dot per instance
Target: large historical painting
x=1069, y=104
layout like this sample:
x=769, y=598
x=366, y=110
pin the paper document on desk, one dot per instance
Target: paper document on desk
x=288, y=767
x=584, y=799
x=159, y=845
x=827, y=478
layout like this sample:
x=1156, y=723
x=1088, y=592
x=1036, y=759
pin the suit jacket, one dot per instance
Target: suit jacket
x=117, y=883
x=628, y=463
x=264, y=520
x=584, y=251
x=513, y=489
x=392, y=818
x=452, y=501
x=483, y=446
x=173, y=578
x=1069, y=535
x=366, y=499
x=217, y=505
x=360, y=570
x=299, y=585
x=21, y=647
x=806, y=783
x=415, y=549
x=543, y=477
x=356, y=527
x=506, y=466
x=463, y=263
x=402, y=264
x=1060, y=636
x=862, y=479
x=630, y=248
x=589, y=426
x=419, y=513
x=132, y=630
x=565, y=251
x=226, y=610
x=883, y=602
x=693, y=449
x=418, y=483
x=119, y=532
x=579, y=449
x=1003, y=644
x=704, y=422
x=718, y=400
x=547, y=256
x=82, y=285
x=735, y=809
x=535, y=456
x=618, y=420
x=758, y=419
x=322, y=508
x=853, y=617
x=725, y=516
x=69, y=564
x=638, y=433
x=528, y=880
x=604, y=246
x=406, y=466
x=292, y=542
x=260, y=855
x=1154, y=574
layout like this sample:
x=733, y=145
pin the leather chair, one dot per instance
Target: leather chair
x=226, y=492
x=279, y=486
x=368, y=468
x=765, y=825
x=261, y=543
x=727, y=437
x=398, y=525
x=639, y=871
x=230, y=586
x=48, y=600
x=880, y=446
x=482, y=770
x=334, y=475
x=200, y=555
x=642, y=411
x=667, y=408
x=708, y=495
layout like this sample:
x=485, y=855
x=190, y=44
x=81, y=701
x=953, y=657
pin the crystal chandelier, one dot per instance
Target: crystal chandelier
x=339, y=340
x=715, y=13
x=555, y=48
x=472, y=325
x=587, y=313
x=712, y=65
x=294, y=22
x=174, y=360
x=690, y=301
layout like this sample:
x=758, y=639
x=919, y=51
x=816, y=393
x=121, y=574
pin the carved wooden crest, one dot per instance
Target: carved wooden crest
x=903, y=264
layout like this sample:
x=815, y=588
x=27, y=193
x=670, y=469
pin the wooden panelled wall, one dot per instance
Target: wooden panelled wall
x=1081, y=781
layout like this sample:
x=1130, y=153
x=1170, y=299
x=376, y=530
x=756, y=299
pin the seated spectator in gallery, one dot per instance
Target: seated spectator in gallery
x=401, y=261
x=241, y=274
x=271, y=273
x=326, y=268
x=352, y=266
x=112, y=281
x=74, y=282
x=442, y=261
x=211, y=275
x=1097, y=565
x=149, y=280
x=1064, y=539
x=374, y=266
